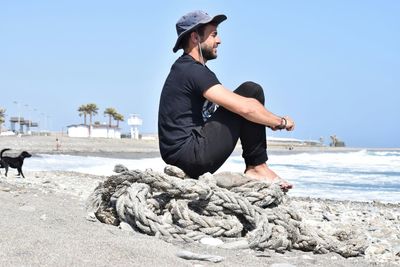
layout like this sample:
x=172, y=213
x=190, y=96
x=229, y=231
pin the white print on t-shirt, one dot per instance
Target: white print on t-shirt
x=208, y=109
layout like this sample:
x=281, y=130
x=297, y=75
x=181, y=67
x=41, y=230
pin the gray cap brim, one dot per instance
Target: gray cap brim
x=216, y=19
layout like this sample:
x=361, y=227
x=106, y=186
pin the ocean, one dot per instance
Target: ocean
x=365, y=175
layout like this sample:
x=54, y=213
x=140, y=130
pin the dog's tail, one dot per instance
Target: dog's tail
x=2, y=151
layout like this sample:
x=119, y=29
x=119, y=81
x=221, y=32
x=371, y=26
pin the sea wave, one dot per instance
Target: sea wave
x=359, y=175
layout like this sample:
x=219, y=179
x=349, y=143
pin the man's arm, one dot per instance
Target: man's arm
x=249, y=108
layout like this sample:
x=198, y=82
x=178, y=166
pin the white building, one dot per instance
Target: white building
x=292, y=141
x=104, y=131
x=134, y=121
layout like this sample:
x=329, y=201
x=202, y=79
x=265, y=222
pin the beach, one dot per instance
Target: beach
x=45, y=222
x=123, y=148
x=101, y=147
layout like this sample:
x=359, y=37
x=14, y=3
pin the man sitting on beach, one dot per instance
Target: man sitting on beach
x=200, y=121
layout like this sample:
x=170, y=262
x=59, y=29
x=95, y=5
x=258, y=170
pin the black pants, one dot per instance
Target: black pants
x=212, y=144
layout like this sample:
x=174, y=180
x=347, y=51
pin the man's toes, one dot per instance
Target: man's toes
x=286, y=186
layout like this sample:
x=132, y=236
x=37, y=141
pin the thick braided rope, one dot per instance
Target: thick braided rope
x=226, y=225
x=133, y=208
x=260, y=194
x=188, y=210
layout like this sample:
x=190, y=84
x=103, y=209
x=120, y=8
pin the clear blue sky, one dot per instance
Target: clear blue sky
x=334, y=66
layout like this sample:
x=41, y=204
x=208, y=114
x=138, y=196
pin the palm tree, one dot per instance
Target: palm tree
x=118, y=117
x=2, y=117
x=111, y=112
x=83, y=110
x=91, y=110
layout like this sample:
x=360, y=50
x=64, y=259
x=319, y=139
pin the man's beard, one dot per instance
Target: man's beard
x=208, y=52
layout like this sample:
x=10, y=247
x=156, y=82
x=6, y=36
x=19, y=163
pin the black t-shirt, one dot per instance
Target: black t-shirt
x=181, y=103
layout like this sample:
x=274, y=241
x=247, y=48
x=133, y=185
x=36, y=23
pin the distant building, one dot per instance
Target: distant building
x=21, y=122
x=336, y=142
x=102, y=131
x=280, y=141
x=134, y=122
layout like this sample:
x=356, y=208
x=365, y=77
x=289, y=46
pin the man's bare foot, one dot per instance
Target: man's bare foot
x=263, y=172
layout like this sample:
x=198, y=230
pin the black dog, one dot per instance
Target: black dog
x=13, y=162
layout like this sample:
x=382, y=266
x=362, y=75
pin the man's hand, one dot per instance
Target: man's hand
x=289, y=123
x=286, y=123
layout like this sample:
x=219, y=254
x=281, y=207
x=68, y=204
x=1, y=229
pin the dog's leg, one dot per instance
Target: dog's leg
x=20, y=172
x=6, y=168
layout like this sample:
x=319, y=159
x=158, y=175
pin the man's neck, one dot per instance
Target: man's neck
x=195, y=54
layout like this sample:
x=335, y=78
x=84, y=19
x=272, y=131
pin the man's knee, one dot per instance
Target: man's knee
x=251, y=89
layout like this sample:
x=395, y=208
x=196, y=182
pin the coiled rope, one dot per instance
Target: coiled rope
x=173, y=207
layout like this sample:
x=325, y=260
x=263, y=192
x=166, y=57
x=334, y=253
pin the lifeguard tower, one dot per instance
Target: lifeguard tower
x=134, y=121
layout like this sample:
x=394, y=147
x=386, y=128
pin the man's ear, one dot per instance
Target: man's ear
x=195, y=37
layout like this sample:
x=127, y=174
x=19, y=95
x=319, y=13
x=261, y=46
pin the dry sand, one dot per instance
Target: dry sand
x=123, y=148
x=44, y=221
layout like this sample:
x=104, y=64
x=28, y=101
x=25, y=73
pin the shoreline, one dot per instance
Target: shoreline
x=106, y=154
x=135, y=149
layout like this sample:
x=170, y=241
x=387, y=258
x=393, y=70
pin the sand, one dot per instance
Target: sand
x=123, y=148
x=44, y=221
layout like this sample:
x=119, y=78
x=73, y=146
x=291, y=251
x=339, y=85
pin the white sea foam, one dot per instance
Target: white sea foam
x=90, y=165
x=362, y=175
